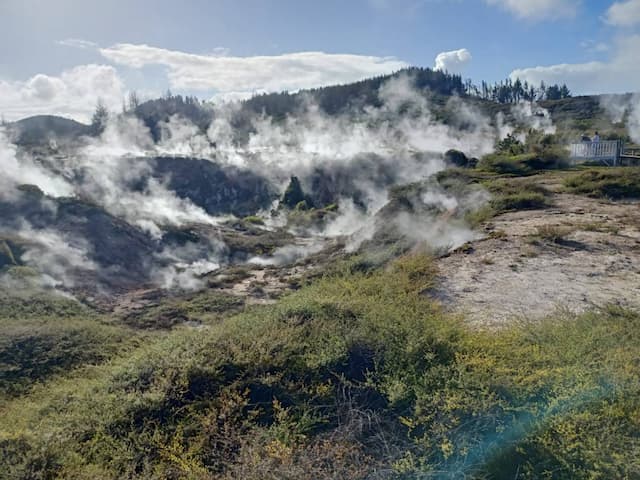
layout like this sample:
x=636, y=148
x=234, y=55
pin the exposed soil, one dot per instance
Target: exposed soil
x=518, y=271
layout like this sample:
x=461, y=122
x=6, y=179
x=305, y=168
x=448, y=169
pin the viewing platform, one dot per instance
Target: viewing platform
x=609, y=152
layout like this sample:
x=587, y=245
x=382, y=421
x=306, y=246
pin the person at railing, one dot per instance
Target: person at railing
x=595, y=145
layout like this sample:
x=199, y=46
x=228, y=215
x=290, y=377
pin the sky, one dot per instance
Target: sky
x=59, y=56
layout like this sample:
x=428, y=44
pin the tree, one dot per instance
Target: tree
x=134, y=101
x=100, y=118
x=553, y=92
x=293, y=195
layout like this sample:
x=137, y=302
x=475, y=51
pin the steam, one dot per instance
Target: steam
x=21, y=171
x=533, y=116
x=288, y=254
x=621, y=108
x=112, y=166
x=57, y=257
x=184, y=267
x=354, y=157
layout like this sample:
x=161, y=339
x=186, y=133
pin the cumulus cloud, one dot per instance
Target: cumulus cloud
x=624, y=14
x=454, y=61
x=618, y=74
x=539, y=9
x=73, y=93
x=232, y=75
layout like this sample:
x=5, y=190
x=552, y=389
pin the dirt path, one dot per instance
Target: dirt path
x=520, y=270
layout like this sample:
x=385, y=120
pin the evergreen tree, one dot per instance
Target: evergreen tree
x=293, y=195
x=100, y=118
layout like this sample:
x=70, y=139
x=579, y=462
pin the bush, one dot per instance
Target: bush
x=520, y=201
x=459, y=159
x=613, y=183
x=253, y=219
x=355, y=374
x=524, y=164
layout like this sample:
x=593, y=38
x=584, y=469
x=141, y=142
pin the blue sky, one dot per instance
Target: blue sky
x=226, y=48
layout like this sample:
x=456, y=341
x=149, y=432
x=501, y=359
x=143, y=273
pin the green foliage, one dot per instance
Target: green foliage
x=509, y=194
x=356, y=373
x=203, y=307
x=293, y=195
x=523, y=164
x=510, y=145
x=99, y=119
x=254, y=219
x=43, y=336
x=614, y=183
x=301, y=206
x=459, y=159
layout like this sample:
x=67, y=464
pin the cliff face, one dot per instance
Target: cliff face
x=218, y=190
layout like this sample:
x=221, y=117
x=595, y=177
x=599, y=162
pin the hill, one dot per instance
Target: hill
x=43, y=129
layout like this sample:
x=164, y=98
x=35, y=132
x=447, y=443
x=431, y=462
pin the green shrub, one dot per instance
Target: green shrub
x=357, y=373
x=254, y=219
x=519, y=201
x=614, y=183
x=524, y=164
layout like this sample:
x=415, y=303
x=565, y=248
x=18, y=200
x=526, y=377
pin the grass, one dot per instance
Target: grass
x=613, y=183
x=553, y=233
x=355, y=373
x=200, y=308
x=47, y=336
x=509, y=194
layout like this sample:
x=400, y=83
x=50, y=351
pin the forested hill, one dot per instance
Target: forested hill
x=572, y=115
x=339, y=98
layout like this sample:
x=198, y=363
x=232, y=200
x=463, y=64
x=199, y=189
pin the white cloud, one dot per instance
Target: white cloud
x=592, y=46
x=232, y=75
x=73, y=93
x=624, y=14
x=454, y=61
x=77, y=43
x=618, y=75
x=539, y=9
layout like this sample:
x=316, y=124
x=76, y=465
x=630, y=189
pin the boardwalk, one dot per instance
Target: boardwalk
x=610, y=152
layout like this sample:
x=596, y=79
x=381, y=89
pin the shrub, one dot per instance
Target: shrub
x=356, y=374
x=614, y=183
x=253, y=219
x=524, y=164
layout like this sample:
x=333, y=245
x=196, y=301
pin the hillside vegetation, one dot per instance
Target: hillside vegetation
x=359, y=372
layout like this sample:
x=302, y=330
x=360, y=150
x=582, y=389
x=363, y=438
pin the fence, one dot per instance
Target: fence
x=607, y=152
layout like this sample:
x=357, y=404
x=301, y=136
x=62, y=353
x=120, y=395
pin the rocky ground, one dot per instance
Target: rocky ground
x=580, y=253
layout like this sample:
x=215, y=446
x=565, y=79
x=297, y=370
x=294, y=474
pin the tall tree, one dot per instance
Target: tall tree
x=134, y=101
x=100, y=118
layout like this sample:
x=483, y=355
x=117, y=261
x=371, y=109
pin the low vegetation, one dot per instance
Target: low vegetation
x=523, y=163
x=359, y=372
x=612, y=183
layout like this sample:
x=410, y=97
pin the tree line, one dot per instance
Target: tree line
x=333, y=99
